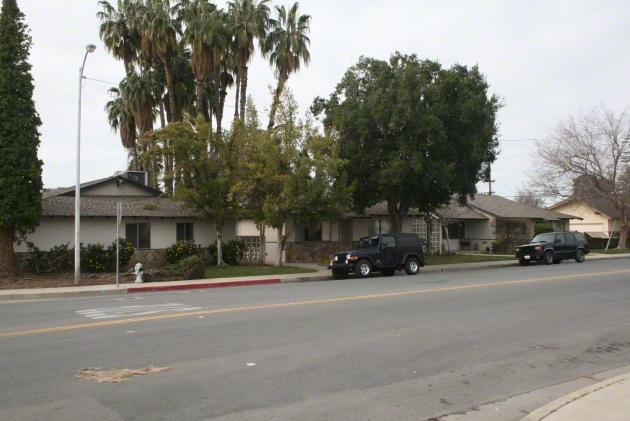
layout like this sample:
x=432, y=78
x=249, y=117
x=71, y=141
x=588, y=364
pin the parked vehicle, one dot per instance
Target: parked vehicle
x=385, y=253
x=553, y=247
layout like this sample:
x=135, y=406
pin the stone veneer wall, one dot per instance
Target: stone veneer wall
x=150, y=259
x=310, y=252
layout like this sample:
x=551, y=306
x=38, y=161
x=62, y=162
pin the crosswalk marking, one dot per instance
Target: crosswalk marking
x=128, y=311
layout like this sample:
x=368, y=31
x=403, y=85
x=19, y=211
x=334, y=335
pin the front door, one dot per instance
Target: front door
x=560, y=246
x=389, y=250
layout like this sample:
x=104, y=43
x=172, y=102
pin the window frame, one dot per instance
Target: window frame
x=185, y=224
x=136, y=244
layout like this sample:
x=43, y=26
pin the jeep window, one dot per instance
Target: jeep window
x=368, y=243
x=544, y=238
x=390, y=241
x=408, y=241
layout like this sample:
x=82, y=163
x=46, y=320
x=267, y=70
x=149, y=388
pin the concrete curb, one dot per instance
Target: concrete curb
x=26, y=294
x=544, y=411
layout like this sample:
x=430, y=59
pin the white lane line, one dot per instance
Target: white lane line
x=137, y=310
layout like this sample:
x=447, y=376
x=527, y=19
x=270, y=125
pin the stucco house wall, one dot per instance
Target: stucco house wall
x=593, y=220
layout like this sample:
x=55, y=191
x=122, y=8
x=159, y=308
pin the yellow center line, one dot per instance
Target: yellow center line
x=309, y=302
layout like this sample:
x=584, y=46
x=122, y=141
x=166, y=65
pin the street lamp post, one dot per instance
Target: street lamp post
x=77, y=209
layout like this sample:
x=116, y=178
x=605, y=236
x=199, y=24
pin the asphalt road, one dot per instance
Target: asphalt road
x=400, y=348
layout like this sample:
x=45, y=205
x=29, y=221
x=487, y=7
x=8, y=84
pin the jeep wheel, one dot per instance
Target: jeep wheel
x=363, y=269
x=579, y=256
x=523, y=262
x=548, y=258
x=557, y=261
x=339, y=274
x=412, y=267
x=388, y=272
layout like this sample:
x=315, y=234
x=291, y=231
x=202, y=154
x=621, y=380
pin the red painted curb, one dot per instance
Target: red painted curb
x=200, y=286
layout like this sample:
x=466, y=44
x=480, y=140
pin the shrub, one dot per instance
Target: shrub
x=57, y=259
x=182, y=249
x=542, y=227
x=233, y=252
x=191, y=267
x=94, y=258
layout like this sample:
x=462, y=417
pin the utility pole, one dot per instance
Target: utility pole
x=489, y=179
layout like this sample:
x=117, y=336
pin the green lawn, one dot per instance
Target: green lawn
x=464, y=258
x=238, y=271
x=610, y=251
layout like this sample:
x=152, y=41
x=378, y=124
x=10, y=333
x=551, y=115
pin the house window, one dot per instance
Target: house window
x=378, y=227
x=310, y=232
x=139, y=235
x=185, y=231
x=456, y=231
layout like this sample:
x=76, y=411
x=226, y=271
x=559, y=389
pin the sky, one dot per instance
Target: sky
x=547, y=59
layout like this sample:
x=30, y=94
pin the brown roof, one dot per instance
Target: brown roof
x=505, y=208
x=106, y=206
x=457, y=211
x=380, y=209
x=601, y=205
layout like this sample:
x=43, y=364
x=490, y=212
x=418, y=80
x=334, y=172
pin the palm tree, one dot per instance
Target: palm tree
x=121, y=120
x=159, y=39
x=117, y=32
x=138, y=92
x=248, y=21
x=204, y=33
x=229, y=66
x=287, y=47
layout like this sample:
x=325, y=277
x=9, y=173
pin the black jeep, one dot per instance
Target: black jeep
x=385, y=253
x=553, y=247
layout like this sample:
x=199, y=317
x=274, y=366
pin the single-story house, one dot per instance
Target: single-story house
x=599, y=218
x=150, y=222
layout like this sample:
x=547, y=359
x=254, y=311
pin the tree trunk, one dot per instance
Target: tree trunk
x=162, y=118
x=199, y=104
x=263, y=244
x=280, y=248
x=219, y=230
x=171, y=90
x=282, y=80
x=427, y=219
x=8, y=262
x=223, y=94
x=623, y=230
x=243, y=91
x=397, y=215
x=238, y=90
x=448, y=240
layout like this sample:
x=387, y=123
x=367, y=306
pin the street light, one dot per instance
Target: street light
x=77, y=209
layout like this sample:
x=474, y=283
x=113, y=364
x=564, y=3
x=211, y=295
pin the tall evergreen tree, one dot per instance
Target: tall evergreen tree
x=20, y=169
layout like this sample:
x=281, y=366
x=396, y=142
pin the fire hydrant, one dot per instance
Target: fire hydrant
x=138, y=271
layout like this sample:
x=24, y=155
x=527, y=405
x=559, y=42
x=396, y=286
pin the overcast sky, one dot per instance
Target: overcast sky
x=546, y=58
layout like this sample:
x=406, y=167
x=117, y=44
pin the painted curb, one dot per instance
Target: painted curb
x=544, y=411
x=19, y=296
x=163, y=288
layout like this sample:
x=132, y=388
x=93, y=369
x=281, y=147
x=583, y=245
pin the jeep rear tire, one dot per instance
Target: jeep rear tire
x=412, y=266
x=339, y=274
x=548, y=258
x=363, y=269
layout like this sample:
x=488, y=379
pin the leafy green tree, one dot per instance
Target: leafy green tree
x=287, y=47
x=20, y=169
x=413, y=134
x=294, y=173
x=208, y=166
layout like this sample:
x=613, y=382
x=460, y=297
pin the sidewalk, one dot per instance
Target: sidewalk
x=605, y=401
x=322, y=274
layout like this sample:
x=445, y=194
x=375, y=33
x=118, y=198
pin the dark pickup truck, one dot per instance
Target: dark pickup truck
x=385, y=253
x=553, y=247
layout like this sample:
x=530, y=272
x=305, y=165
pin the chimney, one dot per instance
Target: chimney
x=140, y=177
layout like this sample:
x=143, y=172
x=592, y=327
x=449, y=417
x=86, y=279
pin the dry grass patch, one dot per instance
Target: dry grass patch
x=115, y=375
